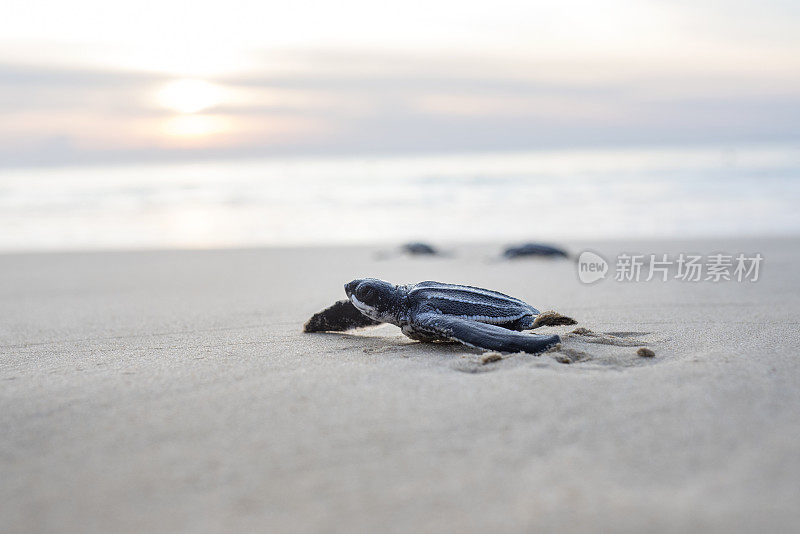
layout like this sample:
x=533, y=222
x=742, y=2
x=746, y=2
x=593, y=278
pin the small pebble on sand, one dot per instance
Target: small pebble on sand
x=644, y=352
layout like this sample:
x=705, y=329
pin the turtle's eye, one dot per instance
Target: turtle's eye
x=366, y=293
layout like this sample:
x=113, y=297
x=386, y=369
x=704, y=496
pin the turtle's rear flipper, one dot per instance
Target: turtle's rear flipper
x=482, y=335
x=338, y=318
x=551, y=318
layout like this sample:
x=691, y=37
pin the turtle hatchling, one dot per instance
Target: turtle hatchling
x=433, y=311
x=534, y=249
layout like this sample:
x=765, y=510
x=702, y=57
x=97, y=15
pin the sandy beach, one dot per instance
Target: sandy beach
x=174, y=391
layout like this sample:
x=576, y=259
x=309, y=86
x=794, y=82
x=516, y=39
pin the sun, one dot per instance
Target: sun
x=189, y=96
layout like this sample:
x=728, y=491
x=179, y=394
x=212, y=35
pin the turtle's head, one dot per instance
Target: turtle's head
x=375, y=298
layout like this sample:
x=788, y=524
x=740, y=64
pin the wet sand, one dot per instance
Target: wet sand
x=174, y=391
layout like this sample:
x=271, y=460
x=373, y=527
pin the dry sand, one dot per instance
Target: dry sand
x=175, y=392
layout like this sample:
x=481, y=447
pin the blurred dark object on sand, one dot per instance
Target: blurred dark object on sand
x=419, y=249
x=534, y=249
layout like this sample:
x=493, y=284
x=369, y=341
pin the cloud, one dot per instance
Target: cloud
x=346, y=101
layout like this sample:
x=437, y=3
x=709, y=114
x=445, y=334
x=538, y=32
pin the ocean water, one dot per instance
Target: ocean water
x=488, y=197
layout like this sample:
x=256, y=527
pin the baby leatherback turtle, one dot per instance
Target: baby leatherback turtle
x=432, y=311
x=534, y=249
x=419, y=249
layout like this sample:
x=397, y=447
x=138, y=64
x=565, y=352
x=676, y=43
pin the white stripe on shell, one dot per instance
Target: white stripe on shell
x=475, y=290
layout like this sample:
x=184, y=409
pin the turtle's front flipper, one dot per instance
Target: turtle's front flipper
x=338, y=318
x=482, y=335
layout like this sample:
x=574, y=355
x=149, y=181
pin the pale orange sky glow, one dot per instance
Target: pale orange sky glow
x=92, y=81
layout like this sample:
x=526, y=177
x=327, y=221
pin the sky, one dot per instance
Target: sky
x=91, y=81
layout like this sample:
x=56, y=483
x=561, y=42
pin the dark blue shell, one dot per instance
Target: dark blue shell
x=473, y=303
